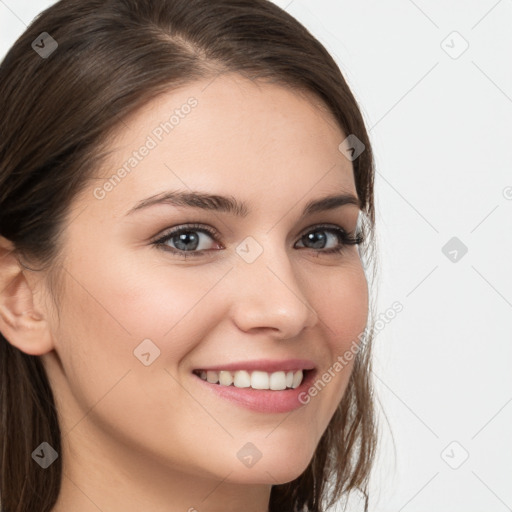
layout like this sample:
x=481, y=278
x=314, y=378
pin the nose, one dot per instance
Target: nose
x=269, y=296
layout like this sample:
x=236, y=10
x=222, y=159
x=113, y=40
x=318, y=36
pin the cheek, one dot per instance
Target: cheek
x=340, y=298
x=105, y=317
x=341, y=302
x=148, y=301
x=173, y=305
x=109, y=310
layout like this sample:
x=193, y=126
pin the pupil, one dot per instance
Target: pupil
x=183, y=239
x=320, y=236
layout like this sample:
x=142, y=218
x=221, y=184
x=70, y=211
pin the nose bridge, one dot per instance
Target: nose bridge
x=269, y=293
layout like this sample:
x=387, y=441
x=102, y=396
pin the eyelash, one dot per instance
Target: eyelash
x=346, y=238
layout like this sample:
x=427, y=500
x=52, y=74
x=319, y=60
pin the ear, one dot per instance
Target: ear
x=22, y=321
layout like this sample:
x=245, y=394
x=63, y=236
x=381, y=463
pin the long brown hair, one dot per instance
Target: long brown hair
x=113, y=56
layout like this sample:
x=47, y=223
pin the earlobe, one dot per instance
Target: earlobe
x=22, y=322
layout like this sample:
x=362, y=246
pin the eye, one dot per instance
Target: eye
x=337, y=233
x=186, y=239
x=188, y=242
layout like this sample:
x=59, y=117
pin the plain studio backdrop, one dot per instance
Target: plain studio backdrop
x=434, y=81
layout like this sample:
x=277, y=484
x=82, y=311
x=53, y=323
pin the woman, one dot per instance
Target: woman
x=186, y=214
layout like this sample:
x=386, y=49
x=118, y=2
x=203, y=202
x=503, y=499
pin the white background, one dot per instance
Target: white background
x=441, y=128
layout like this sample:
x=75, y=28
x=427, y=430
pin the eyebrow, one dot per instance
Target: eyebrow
x=231, y=205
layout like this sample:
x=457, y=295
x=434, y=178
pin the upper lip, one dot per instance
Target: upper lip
x=265, y=365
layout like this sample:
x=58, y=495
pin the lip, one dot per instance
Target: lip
x=265, y=365
x=261, y=400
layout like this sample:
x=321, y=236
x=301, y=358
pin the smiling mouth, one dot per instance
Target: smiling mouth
x=256, y=379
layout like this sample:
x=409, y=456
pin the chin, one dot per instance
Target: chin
x=274, y=472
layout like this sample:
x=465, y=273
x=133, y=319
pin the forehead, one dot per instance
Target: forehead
x=228, y=135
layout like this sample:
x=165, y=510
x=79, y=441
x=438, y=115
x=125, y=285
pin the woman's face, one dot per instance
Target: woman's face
x=137, y=319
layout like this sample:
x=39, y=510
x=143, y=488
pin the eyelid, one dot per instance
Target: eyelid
x=210, y=230
x=345, y=238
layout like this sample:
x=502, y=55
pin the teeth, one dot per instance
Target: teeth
x=257, y=379
x=297, y=379
x=241, y=379
x=225, y=378
x=277, y=380
x=212, y=377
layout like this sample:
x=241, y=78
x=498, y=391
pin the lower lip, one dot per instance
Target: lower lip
x=263, y=400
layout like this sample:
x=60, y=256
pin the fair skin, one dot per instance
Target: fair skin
x=139, y=437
